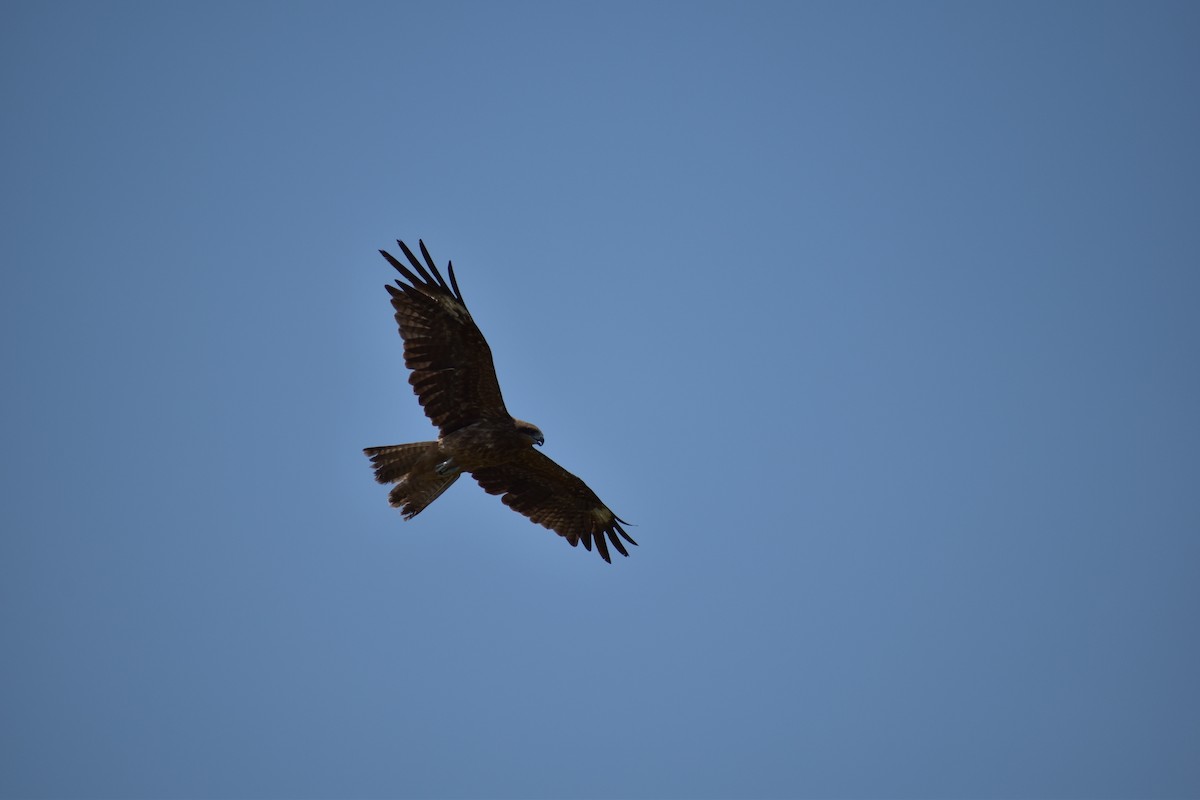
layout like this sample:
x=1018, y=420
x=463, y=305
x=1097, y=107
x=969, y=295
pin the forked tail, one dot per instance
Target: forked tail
x=413, y=468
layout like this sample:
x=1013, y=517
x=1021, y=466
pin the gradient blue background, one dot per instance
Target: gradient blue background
x=880, y=320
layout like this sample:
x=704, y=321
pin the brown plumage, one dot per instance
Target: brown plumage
x=455, y=381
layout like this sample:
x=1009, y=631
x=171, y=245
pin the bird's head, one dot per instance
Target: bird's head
x=530, y=431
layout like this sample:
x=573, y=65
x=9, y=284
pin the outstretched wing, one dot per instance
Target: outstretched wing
x=452, y=370
x=549, y=495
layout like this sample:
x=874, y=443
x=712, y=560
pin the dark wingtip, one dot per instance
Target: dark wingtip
x=403, y=270
x=602, y=547
x=617, y=527
x=424, y=276
x=616, y=542
x=416, y=264
x=433, y=267
x=454, y=282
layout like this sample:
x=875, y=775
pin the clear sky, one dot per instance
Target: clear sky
x=879, y=320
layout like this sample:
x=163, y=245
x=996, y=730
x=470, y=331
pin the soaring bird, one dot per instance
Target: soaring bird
x=455, y=381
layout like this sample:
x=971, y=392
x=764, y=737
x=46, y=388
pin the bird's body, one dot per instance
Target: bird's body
x=486, y=443
x=455, y=381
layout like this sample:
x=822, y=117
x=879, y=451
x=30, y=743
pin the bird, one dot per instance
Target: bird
x=454, y=379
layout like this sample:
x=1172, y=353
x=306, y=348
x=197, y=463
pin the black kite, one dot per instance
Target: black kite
x=455, y=381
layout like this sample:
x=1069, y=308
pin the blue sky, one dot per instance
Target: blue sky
x=878, y=320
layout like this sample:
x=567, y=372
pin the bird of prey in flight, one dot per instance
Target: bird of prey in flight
x=455, y=381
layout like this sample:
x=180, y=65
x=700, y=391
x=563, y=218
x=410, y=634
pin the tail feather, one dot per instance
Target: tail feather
x=392, y=462
x=413, y=468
